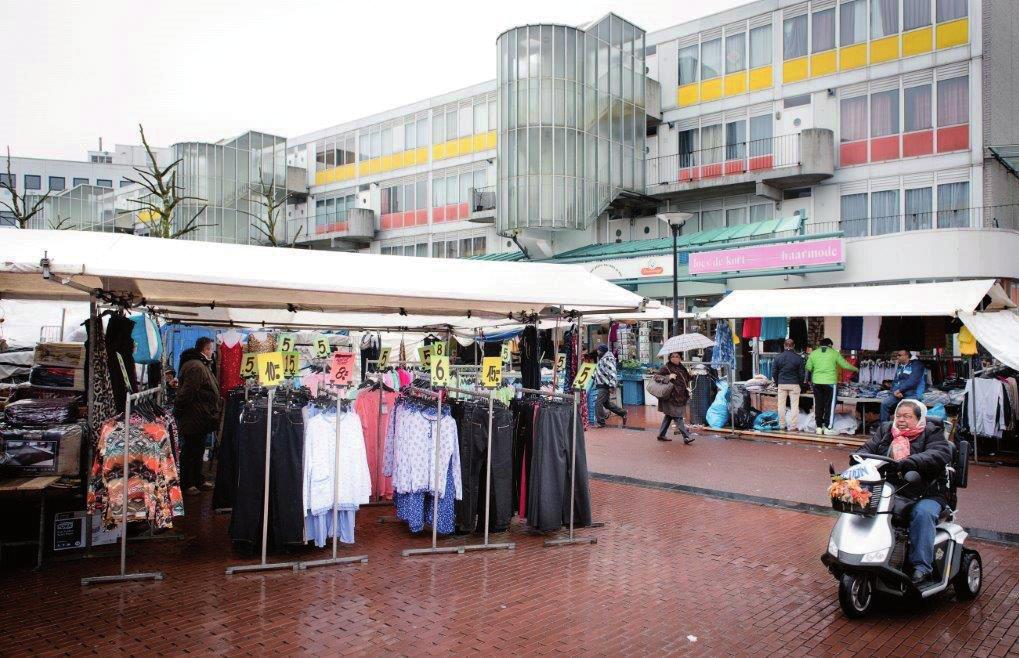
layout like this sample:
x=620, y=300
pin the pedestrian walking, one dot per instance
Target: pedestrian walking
x=606, y=381
x=673, y=405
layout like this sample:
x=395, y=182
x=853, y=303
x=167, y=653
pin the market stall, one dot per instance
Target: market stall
x=869, y=324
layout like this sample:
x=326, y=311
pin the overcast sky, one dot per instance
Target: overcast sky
x=207, y=69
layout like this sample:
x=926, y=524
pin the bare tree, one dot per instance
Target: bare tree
x=163, y=197
x=19, y=206
x=62, y=224
x=271, y=202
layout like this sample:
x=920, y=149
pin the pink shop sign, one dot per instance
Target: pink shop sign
x=768, y=257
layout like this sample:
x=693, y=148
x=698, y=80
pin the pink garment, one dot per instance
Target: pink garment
x=405, y=378
x=313, y=381
x=374, y=424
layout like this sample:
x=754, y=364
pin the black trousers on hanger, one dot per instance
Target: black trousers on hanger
x=523, y=443
x=226, y=456
x=549, y=477
x=473, y=436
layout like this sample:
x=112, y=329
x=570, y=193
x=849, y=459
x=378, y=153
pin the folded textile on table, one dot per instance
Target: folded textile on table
x=41, y=413
x=64, y=355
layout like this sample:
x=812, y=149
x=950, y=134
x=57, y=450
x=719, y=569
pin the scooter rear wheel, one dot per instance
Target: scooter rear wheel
x=856, y=595
x=970, y=579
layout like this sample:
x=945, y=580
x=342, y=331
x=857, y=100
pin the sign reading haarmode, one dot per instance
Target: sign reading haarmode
x=769, y=257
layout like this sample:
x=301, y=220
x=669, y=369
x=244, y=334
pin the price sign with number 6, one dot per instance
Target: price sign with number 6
x=440, y=371
x=270, y=368
x=383, y=361
x=491, y=372
x=583, y=379
x=321, y=347
x=249, y=365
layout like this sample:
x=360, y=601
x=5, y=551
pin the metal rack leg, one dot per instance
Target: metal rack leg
x=488, y=489
x=573, y=488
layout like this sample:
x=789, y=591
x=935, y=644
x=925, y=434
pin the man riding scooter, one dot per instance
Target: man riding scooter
x=917, y=445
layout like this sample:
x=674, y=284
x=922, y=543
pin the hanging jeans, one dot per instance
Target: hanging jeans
x=922, y=522
x=286, y=480
x=226, y=457
x=824, y=404
x=550, y=474
x=473, y=438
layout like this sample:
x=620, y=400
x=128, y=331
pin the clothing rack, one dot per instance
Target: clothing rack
x=363, y=559
x=124, y=576
x=488, y=472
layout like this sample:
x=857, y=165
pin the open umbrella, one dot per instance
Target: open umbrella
x=685, y=343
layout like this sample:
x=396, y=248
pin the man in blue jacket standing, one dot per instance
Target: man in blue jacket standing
x=907, y=385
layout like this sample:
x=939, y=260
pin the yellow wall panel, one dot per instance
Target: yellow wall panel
x=953, y=33
x=917, y=42
x=422, y=154
x=399, y=161
x=794, y=70
x=320, y=178
x=822, y=63
x=478, y=143
x=852, y=57
x=438, y=151
x=491, y=139
x=688, y=95
x=466, y=145
x=711, y=90
x=884, y=50
x=375, y=165
x=736, y=83
x=761, y=78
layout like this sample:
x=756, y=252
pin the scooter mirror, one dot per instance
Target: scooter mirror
x=912, y=477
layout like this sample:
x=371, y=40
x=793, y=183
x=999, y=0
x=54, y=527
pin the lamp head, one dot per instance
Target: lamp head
x=674, y=219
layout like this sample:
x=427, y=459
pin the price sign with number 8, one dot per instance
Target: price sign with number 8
x=341, y=371
x=440, y=371
x=439, y=348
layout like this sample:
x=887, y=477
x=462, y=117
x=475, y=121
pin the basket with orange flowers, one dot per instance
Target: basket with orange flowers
x=851, y=495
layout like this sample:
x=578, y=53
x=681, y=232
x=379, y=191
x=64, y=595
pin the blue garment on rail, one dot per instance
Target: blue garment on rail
x=416, y=508
x=724, y=353
x=852, y=333
x=319, y=527
x=178, y=338
x=774, y=328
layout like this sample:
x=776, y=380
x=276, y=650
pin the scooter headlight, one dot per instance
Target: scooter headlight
x=833, y=548
x=876, y=557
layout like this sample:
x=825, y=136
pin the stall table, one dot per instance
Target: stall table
x=29, y=488
x=839, y=400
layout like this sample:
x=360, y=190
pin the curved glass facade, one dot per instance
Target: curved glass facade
x=571, y=122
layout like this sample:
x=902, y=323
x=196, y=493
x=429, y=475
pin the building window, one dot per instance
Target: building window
x=711, y=59
x=915, y=14
x=917, y=108
x=953, y=205
x=918, y=209
x=884, y=18
x=687, y=65
x=104, y=182
x=735, y=52
x=853, y=23
x=794, y=37
x=853, y=120
x=8, y=219
x=735, y=140
x=884, y=113
x=854, y=215
x=761, y=212
x=823, y=33
x=884, y=212
x=33, y=182
x=686, y=147
x=761, y=128
x=712, y=144
x=735, y=216
x=950, y=10
x=9, y=181
x=57, y=183
x=795, y=101
x=953, y=101
x=760, y=46
x=79, y=181
x=124, y=182
x=712, y=219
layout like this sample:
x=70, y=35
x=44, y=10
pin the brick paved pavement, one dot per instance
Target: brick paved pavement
x=741, y=579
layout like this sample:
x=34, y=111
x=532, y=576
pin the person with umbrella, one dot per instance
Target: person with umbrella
x=673, y=404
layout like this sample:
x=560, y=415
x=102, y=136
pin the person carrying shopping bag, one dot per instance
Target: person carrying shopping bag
x=673, y=381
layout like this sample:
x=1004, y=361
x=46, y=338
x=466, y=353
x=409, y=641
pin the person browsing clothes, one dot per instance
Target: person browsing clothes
x=908, y=383
x=789, y=370
x=824, y=364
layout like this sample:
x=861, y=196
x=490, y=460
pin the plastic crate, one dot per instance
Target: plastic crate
x=871, y=508
x=633, y=392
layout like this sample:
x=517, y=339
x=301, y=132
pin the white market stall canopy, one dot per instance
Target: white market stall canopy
x=926, y=299
x=997, y=332
x=655, y=311
x=193, y=273
x=276, y=318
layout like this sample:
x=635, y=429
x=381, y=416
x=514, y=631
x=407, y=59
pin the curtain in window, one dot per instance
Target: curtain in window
x=953, y=101
x=712, y=144
x=686, y=148
x=918, y=108
x=711, y=59
x=884, y=18
x=687, y=65
x=760, y=46
x=761, y=212
x=953, y=205
x=735, y=52
x=854, y=119
x=884, y=212
x=950, y=10
x=735, y=140
x=794, y=37
x=853, y=23
x=915, y=14
x=735, y=216
x=919, y=204
x=712, y=219
x=761, y=135
x=823, y=34
x=854, y=215
x=884, y=113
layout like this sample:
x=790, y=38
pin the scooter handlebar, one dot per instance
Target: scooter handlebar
x=881, y=458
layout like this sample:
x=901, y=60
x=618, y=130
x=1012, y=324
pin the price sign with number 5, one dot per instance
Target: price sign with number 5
x=507, y=357
x=491, y=372
x=583, y=379
x=321, y=347
x=286, y=342
x=440, y=371
x=341, y=370
x=249, y=365
x=560, y=362
x=383, y=361
x=270, y=368
x=291, y=363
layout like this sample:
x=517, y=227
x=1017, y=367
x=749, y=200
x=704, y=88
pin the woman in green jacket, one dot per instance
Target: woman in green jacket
x=823, y=365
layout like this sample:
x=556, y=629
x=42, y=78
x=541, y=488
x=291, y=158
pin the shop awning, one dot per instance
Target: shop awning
x=997, y=332
x=657, y=312
x=276, y=318
x=193, y=273
x=923, y=299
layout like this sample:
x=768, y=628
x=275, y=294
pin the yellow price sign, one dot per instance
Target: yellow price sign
x=440, y=348
x=425, y=355
x=270, y=368
x=286, y=343
x=440, y=371
x=383, y=361
x=560, y=362
x=321, y=347
x=249, y=365
x=583, y=379
x=291, y=363
x=507, y=356
x=491, y=372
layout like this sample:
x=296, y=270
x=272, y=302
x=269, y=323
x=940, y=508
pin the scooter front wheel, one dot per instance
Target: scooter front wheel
x=856, y=594
x=970, y=579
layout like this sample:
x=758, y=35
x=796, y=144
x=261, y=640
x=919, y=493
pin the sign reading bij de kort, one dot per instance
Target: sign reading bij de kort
x=769, y=257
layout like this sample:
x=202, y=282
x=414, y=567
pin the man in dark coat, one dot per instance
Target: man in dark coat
x=917, y=445
x=197, y=408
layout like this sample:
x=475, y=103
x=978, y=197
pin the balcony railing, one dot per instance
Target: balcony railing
x=1004, y=217
x=483, y=198
x=719, y=162
x=332, y=224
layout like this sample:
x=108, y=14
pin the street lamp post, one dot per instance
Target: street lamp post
x=675, y=220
